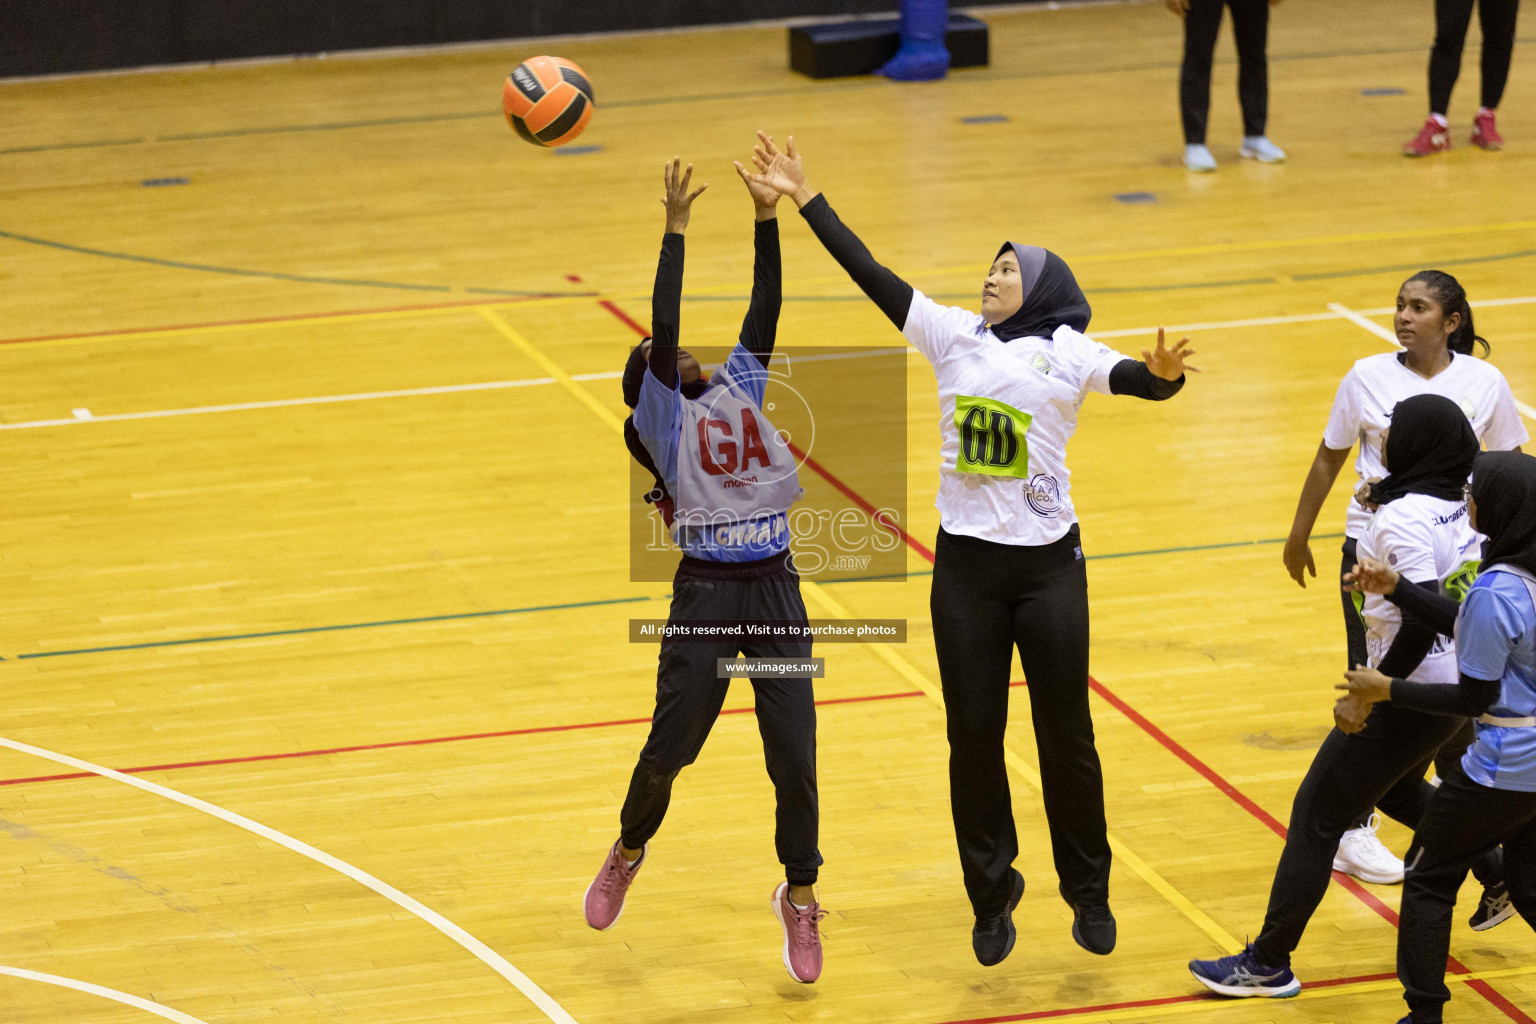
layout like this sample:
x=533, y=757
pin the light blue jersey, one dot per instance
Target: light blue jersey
x=731, y=476
x=1496, y=639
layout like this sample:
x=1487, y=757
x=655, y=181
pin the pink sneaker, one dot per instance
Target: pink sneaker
x=802, y=941
x=1432, y=138
x=1484, y=134
x=605, y=896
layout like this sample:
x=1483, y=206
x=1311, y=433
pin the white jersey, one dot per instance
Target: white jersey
x=1006, y=412
x=1362, y=411
x=1423, y=538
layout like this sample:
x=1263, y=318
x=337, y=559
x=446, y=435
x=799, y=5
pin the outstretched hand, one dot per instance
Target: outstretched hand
x=781, y=171
x=679, y=201
x=1168, y=363
x=1371, y=577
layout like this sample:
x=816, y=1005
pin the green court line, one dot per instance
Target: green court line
x=1400, y=267
x=71, y=145
x=332, y=629
x=1129, y=290
x=209, y=268
x=579, y=604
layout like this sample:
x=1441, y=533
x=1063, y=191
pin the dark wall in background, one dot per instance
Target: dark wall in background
x=49, y=36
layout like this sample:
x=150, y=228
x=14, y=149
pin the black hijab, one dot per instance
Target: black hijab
x=634, y=373
x=1430, y=448
x=1504, y=490
x=1051, y=296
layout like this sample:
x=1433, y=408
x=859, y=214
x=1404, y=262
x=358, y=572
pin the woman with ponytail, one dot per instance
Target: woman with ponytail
x=1434, y=326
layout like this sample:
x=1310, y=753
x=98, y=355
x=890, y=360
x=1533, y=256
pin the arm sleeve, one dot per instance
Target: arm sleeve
x=1505, y=428
x=889, y=292
x=1412, y=642
x=1424, y=602
x=1470, y=696
x=1343, y=427
x=761, y=325
x=1133, y=377
x=666, y=306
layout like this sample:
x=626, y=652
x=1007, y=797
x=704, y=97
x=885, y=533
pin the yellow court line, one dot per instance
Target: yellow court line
x=1027, y=772
x=903, y=667
x=552, y=368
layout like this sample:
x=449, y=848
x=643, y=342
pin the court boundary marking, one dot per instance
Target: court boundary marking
x=92, y=989
x=485, y=954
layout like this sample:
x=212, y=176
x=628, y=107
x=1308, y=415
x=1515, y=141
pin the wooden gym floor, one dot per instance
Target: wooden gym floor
x=355, y=654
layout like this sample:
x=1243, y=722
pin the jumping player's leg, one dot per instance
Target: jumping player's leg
x=973, y=638
x=1050, y=627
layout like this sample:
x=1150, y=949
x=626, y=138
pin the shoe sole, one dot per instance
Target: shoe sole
x=1366, y=876
x=1494, y=148
x=778, y=912
x=1077, y=937
x=1495, y=920
x=1248, y=992
x=1246, y=155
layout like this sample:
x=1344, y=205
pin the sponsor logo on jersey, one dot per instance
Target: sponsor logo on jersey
x=1043, y=496
x=1039, y=362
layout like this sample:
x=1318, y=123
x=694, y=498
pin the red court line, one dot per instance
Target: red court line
x=489, y=300
x=429, y=740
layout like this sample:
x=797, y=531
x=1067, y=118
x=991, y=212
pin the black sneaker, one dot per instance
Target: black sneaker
x=1493, y=909
x=992, y=937
x=1093, y=927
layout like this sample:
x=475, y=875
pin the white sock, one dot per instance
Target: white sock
x=1485, y=110
x=798, y=906
x=1440, y=120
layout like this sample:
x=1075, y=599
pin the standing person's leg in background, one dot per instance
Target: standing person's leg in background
x=1497, y=19
x=1250, y=30
x=973, y=638
x=1464, y=820
x=1451, y=20
x=1050, y=625
x=1360, y=851
x=1202, y=21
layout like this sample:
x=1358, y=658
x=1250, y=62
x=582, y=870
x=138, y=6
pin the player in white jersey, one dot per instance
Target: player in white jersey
x=1008, y=567
x=1422, y=529
x=1488, y=798
x=1434, y=326
x=725, y=480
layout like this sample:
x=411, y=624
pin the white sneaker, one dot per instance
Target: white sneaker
x=1362, y=855
x=1198, y=158
x=1258, y=147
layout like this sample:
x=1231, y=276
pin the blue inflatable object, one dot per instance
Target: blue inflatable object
x=922, y=56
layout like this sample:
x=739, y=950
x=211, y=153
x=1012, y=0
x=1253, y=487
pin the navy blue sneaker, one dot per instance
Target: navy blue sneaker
x=1242, y=975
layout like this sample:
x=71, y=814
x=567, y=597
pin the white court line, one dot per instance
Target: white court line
x=106, y=993
x=1336, y=312
x=1359, y=319
x=482, y=952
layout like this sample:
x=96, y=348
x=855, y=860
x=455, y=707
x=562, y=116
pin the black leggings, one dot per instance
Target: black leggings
x=1350, y=774
x=1465, y=821
x=688, y=700
x=1497, y=19
x=1250, y=30
x=987, y=599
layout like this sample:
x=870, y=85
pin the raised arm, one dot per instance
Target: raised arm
x=1157, y=376
x=760, y=326
x=667, y=295
x=784, y=172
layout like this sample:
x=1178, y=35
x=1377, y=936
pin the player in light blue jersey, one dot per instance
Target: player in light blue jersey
x=1492, y=798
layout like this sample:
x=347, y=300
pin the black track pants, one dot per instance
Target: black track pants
x=688, y=700
x=1250, y=30
x=988, y=598
x=1497, y=20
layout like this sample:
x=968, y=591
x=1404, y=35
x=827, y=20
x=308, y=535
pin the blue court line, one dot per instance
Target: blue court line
x=580, y=604
x=271, y=275
x=1328, y=275
x=333, y=629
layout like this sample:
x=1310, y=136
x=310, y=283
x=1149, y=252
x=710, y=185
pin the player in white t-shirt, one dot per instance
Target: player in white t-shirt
x=1008, y=568
x=1422, y=529
x=1434, y=326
